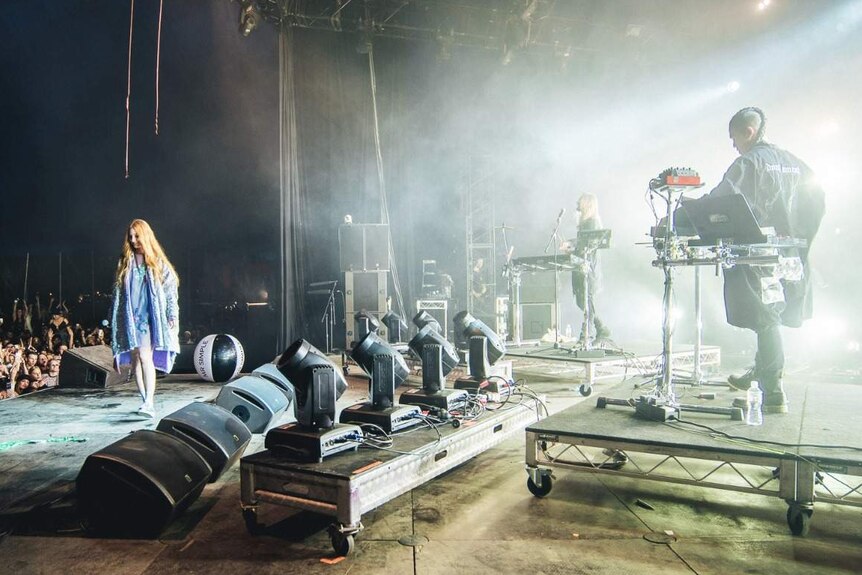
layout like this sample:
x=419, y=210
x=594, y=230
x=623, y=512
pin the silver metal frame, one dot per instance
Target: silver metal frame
x=348, y=498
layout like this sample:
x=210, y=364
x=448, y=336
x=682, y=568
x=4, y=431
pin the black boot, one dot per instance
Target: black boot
x=741, y=382
x=602, y=331
x=774, y=399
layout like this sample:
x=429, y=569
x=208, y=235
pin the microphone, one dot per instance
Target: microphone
x=560, y=217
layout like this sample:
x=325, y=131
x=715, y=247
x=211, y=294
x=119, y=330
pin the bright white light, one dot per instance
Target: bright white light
x=763, y=4
x=828, y=128
x=732, y=86
x=825, y=328
x=853, y=345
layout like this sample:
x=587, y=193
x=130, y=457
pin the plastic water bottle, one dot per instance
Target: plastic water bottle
x=753, y=404
x=568, y=331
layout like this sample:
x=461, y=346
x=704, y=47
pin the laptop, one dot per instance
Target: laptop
x=726, y=218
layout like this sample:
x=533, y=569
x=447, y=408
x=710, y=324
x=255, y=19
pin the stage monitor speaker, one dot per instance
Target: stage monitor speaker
x=538, y=287
x=536, y=320
x=136, y=486
x=216, y=434
x=270, y=373
x=91, y=366
x=254, y=400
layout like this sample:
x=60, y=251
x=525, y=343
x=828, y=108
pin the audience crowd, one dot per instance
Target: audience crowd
x=34, y=338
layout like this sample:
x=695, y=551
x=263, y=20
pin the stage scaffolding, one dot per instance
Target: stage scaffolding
x=479, y=196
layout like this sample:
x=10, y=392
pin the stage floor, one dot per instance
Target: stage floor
x=812, y=454
x=476, y=518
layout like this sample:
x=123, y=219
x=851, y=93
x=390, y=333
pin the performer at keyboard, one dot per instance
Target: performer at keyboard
x=783, y=194
x=588, y=220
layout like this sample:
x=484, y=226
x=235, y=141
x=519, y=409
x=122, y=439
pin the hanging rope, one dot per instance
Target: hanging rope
x=158, y=59
x=129, y=82
x=384, y=206
x=284, y=323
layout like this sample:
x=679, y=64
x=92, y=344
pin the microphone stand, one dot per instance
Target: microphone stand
x=555, y=240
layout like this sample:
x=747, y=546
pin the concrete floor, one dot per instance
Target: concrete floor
x=477, y=519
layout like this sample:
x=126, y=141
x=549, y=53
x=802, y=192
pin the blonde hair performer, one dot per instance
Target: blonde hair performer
x=145, y=316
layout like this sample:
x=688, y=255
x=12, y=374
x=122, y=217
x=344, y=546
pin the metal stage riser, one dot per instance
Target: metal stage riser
x=784, y=489
x=795, y=481
x=348, y=499
x=611, y=367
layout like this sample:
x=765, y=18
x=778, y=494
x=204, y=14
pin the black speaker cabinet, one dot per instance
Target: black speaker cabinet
x=138, y=485
x=216, y=434
x=363, y=247
x=538, y=287
x=537, y=319
x=254, y=400
x=261, y=334
x=91, y=366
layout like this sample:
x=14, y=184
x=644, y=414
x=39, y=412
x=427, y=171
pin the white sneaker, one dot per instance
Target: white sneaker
x=147, y=410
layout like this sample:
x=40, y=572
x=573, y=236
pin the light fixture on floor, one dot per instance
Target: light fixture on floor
x=387, y=370
x=396, y=325
x=317, y=385
x=485, y=349
x=439, y=358
x=424, y=318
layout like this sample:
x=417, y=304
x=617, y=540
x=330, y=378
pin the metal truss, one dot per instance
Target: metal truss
x=719, y=474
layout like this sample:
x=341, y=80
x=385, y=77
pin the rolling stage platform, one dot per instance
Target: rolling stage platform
x=559, y=363
x=811, y=455
x=348, y=484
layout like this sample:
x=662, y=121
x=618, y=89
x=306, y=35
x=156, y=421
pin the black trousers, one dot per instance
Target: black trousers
x=769, y=361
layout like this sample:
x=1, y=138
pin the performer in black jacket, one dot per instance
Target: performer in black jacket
x=783, y=194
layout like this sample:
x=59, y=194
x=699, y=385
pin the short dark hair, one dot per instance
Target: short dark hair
x=750, y=117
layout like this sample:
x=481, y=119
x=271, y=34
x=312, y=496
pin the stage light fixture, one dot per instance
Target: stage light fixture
x=249, y=17
x=317, y=385
x=485, y=349
x=365, y=323
x=469, y=326
x=397, y=327
x=439, y=358
x=387, y=370
x=424, y=318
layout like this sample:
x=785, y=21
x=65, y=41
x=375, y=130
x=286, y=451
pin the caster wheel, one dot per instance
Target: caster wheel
x=540, y=490
x=251, y=524
x=799, y=520
x=585, y=390
x=456, y=423
x=346, y=370
x=342, y=544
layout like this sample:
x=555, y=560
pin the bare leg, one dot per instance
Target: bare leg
x=138, y=370
x=148, y=374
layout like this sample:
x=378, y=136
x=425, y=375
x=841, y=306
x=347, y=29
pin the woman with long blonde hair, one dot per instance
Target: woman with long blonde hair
x=588, y=220
x=145, y=317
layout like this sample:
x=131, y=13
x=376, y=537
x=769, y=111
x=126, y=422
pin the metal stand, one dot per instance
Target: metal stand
x=589, y=242
x=555, y=240
x=662, y=403
x=513, y=280
x=328, y=318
